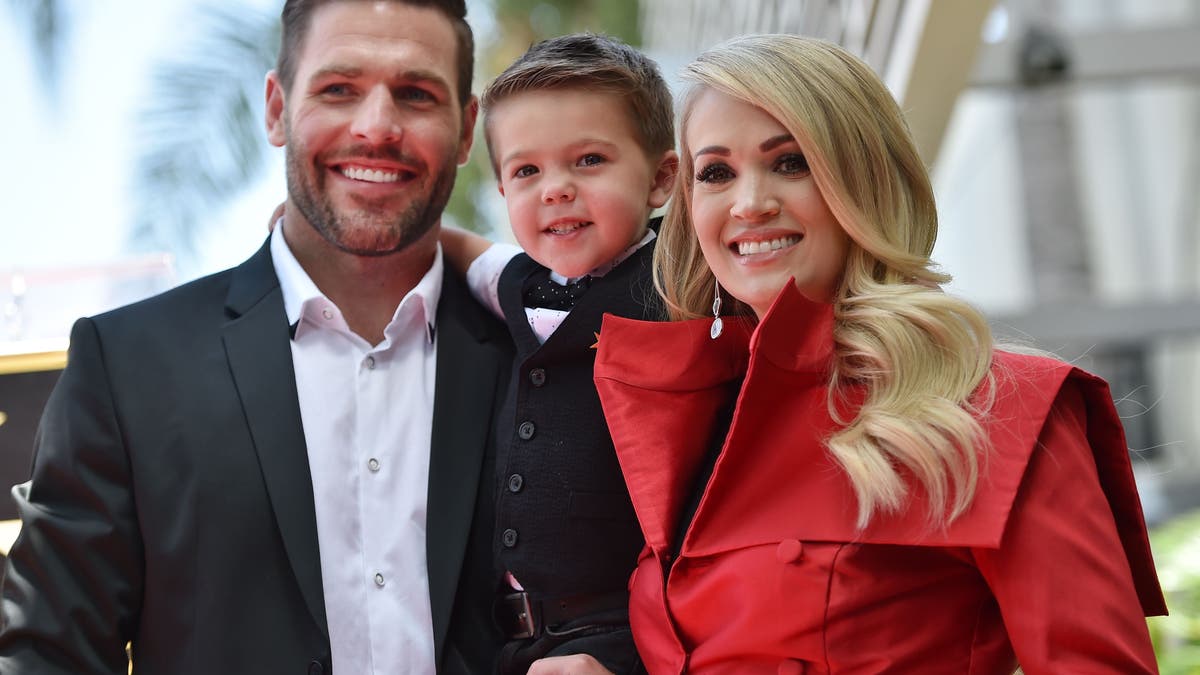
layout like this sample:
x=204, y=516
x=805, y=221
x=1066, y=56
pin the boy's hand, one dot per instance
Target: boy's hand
x=461, y=247
x=576, y=664
x=276, y=216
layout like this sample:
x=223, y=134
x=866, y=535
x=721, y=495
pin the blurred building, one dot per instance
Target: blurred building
x=1063, y=140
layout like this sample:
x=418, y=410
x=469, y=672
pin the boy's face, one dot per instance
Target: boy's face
x=578, y=185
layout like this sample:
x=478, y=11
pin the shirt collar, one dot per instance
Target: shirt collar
x=608, y=266
x=298, y=288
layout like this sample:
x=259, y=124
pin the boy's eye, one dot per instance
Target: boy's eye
x=525, y=171
x=590, y=159
x=714, y=173
x=792, y=164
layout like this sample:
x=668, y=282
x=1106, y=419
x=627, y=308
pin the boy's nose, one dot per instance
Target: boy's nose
x=377, y=119
x=558, y=192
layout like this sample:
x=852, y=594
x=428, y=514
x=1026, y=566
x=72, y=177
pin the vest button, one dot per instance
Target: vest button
x=526, y=430
x=515, y=483
x=315, y=668
x=537, y=377
x=509, y=538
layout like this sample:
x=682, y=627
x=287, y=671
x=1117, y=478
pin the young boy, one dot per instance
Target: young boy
x=580, y=133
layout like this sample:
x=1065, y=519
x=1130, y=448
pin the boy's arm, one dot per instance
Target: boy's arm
x=461, y=247
x=480, y=261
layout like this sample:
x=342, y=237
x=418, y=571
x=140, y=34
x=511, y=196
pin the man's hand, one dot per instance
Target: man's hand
x=576, y=664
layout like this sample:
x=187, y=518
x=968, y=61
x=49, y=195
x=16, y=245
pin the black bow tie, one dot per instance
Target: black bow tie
x=547, y=293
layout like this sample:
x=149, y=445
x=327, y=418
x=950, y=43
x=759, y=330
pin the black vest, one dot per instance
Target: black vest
x=564, y=521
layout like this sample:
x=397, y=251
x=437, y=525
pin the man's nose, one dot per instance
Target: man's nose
x=377, y=119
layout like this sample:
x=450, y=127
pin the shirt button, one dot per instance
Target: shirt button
x=327, y=313
x=370, y=363
x=537, y=377
x=526, y=430
x=373, y=464
x=379, y=580
x=509, y=538
x=515, y=483
x=789, y=551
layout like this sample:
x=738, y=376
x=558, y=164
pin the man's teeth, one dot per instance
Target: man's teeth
x=752, y=247
x=565, y=228
x=370, y=175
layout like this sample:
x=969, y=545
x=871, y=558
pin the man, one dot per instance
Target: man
x=177, y=501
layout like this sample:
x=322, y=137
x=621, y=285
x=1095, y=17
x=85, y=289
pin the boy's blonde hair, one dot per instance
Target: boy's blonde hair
x=594, y=63
x=920, y=353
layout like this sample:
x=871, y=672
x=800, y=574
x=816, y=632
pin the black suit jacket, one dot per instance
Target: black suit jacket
x=171, y=502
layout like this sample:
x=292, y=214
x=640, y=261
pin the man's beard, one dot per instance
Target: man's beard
x=371, y=229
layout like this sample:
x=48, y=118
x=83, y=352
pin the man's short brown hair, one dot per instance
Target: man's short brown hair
x=591, y=62
x=297, y=18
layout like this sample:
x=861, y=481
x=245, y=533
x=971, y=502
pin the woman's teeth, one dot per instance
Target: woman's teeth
x=752, y=247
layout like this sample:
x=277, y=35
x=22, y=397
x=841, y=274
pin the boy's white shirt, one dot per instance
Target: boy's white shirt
x=483, y=278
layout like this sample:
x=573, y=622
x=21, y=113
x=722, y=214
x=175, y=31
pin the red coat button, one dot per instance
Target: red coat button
x=791, y=667
x=789, y=551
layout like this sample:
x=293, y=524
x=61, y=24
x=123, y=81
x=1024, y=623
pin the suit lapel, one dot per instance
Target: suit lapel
x=257, y=343
x=468, y=371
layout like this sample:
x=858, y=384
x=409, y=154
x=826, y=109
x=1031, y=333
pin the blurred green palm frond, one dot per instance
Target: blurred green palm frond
x=201, y=139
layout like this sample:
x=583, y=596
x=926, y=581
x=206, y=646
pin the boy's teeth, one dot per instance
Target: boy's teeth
x=370, y=175
x=565, y=228
x=752, y=247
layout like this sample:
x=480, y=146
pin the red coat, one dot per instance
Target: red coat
x=1051, y=565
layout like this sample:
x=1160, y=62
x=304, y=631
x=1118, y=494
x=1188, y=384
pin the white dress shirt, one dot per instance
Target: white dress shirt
x=367, y=412
x=483, y=278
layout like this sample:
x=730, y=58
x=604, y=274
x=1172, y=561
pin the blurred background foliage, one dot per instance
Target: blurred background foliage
x=201, y=138
x=1176, y=637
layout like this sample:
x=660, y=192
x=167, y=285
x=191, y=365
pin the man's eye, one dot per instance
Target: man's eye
x=414, y=94
x=336, y=89
x=714, y=173
x=525, y=171
x=792, y=164
x=590, y=159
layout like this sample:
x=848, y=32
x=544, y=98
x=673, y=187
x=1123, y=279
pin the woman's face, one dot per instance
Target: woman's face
x=758, y=214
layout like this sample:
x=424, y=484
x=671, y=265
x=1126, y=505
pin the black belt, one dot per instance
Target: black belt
x=520, y=615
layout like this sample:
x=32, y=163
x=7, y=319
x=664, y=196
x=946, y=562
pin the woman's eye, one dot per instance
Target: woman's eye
x=793, y=164
x=525, y=171
x=590, y=159
x=714, y=173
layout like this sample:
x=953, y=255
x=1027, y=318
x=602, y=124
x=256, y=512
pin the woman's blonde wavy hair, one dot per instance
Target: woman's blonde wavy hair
x=921, y=354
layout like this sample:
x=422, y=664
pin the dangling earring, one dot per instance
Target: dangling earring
x=717, y=324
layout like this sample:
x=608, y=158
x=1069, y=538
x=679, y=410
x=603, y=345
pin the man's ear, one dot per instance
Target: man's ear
x=664, y=179
x=276, y=106
x=470, y=113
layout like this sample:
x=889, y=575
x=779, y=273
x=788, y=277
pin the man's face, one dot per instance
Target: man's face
x=372, y=126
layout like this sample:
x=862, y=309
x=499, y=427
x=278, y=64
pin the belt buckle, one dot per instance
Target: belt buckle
x=515, y=616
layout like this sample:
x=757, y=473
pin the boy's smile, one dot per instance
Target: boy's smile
x=578, y=185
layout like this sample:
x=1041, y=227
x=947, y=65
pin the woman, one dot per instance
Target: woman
x=837, y=473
